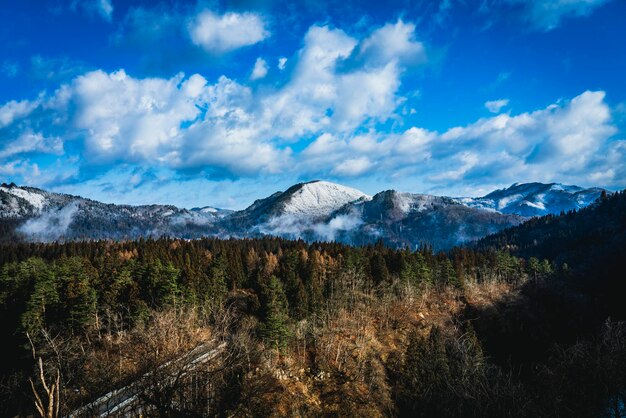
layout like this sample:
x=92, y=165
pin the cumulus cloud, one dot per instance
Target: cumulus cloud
x=572, y=129
x=335, y=87
x=338, y=93
x=282, y=63
x=357, y=154
x=393, y=42
x=352, y=167
x=182, y=123
x=223, y=33
x=225, y=127
x=137, y=119
x=548, y=14
x=259, y=70
x=562, y=142
x=494, y=106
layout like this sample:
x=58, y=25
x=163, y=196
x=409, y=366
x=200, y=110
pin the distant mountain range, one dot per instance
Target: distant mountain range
x=535, y=199
x=316, y=210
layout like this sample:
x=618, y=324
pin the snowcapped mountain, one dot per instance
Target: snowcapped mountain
x=317, y=199
x=316, y=210
x=44, y=216
x=535, y=199
x=294, y=209
x=399, y=219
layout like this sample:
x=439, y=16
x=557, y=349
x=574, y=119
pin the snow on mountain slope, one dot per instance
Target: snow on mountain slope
x=320, y=198
x=406, y=219
x=535, y=199
x=38, y=215
x=302, y=211
x=290, y=213
x=36, y=200
x=21, y=201
x=212, y=211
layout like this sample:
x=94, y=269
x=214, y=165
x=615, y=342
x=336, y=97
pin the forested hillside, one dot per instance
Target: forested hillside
x=316, y=329
x=593, y=240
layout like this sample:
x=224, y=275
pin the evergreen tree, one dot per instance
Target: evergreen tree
x=274, y=328
x=378, y=269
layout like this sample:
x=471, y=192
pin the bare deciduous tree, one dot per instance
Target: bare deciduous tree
x=49, y=404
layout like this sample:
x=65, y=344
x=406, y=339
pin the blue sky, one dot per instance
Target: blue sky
x=220, y=103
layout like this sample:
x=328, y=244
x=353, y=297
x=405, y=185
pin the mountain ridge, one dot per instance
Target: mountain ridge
x=314, y=210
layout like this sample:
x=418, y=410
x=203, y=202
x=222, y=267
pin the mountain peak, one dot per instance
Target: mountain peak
x=536, y=199
x=318, y=198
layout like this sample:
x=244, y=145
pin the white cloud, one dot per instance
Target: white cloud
x=566, y=128
x=15, y=110
x=181, y=123
x=548, y=14
x=366, y=94
x=494, y=106
x=393, y=42
x=282, y=63
x=339, y=91
x=123, y=117
x=18, y=168
x=320, y=97
x=352, y=167
x=563, y=142
x=32, y=142
x=339, y=223
x=227, y=32
x=260, y=69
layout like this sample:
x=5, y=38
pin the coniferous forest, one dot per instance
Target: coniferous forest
x=527, y=322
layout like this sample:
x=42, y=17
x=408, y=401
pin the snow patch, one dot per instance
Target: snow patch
x=36, y=200
x=404, y=202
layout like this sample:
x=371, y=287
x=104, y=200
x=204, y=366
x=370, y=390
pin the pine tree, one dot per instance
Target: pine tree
x=274, y=328
x=378, y=268
x=76, y=277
